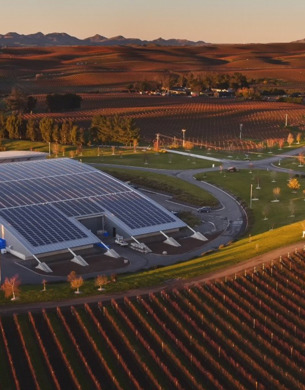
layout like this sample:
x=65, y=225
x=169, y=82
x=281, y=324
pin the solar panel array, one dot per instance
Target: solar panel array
x=41, y=224
x=134, y=210
x=79, y=207
x=39, y=199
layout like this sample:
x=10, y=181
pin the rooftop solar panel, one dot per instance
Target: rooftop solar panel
x=42, y=225
x=134, y=210
x=79, y=207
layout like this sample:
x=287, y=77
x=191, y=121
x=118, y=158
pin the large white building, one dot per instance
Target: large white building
x=48, y=206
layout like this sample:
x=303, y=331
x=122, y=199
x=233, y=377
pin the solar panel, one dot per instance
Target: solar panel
x=42, y=225
x=134, y=210
x=41, y=168
x=79, y=207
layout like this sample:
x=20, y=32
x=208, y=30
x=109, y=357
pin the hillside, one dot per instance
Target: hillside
x=86, y=68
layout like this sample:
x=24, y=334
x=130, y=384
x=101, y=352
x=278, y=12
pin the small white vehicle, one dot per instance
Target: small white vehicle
x=120, y=241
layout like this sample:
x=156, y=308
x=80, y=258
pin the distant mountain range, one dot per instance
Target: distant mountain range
x=63, y=39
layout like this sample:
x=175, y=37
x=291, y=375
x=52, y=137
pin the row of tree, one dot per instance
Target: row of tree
x=196, y=82
x=103, y=129
x=18, y=101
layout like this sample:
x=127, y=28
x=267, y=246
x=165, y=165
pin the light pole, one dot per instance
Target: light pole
x=183, y=137
x=49, y=149
x=251, y=193
x=240, y=130
x=286, y=120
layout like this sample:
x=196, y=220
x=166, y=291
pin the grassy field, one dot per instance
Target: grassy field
x=181, y=191
x=225, y=257
x=292, y=163
x=267, y=213
x=244, y=156
x=147, y=159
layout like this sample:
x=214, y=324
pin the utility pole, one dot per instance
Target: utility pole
x=286, y=120
x=157, y=142
x=251, y=194
x=240, y=130
x=183, y=137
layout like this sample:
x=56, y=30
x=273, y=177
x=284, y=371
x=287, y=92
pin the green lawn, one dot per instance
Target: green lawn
x=267, y=214
x=251, y=155
x=291, y=163
x=148, y=159
x=181, y=190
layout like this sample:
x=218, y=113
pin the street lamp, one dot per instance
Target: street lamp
x=183, y=137
x=251, y=194
x=240, y=130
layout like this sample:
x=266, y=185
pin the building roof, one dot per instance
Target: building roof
x=42, y=201
x=21, y=155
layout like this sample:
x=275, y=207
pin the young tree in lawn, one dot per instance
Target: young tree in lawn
x=76, y=284
x=276, y=193
x=100, y=281
x=113, y=278
x=281, y=143
x=301, y=159
x=294, y=184
x=265, y=212
x=75, y=281
x=299, y=137
x=44, y=283
x=273, y=176
x=292, y=208
x=290, y=139
x=11, y=287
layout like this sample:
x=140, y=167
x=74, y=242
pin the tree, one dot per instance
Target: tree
x=293, y=184
x=276, y=193
x=291, y=208
x=299, y=137
x=2, y=125
x=76, y=284
x=15, y=126
x=16, y=101
x=31, y=130
x=11, y=287
x=44, y=283
x=75, y=281
x=290, y=139
x=56, y=133
x=301, y=159
x=30, y=103
x=281, y=143
x=58, y=102
x=100, y=281
x=46, y=129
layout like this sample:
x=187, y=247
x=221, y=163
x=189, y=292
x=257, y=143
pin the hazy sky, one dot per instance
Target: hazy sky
x=216, y=21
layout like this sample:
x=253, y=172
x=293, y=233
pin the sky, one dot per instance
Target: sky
x=214, y=21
